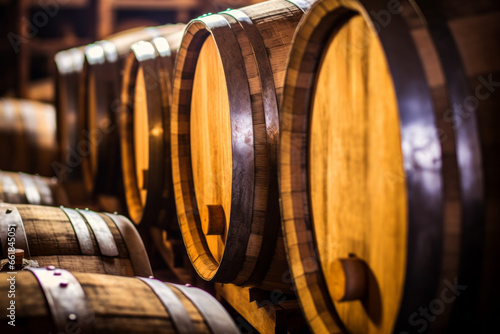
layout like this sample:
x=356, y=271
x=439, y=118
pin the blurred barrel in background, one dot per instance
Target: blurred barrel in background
x=228, y=85
x=100, y=105
x=79, y=240
x=145, y=130
x=59, y=301
x=27, y=136
x=69, y=64
x=21, y=188
x=145, y=147
x=389, y=202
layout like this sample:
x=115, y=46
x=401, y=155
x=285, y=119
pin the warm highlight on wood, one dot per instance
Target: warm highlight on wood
x=357, y=186
x=141, y=143
x=211, y=151
x=113, y=304
x=374, y=165
x=145, y=130
x=27, y=136
x=229, y=78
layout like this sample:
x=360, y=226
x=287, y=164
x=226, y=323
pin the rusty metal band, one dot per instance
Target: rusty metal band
x=9, y=189
x=44, y=190
x=136, y=250
x=10, y=219
x=66, y=299
x=216, y=316
x=102, y=233
x=30, y=189
x=174, y=307
x=81, y=231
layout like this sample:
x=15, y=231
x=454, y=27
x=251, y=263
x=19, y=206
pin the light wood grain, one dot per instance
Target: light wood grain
x=262, y=319
x=141, y=131
x=435, y=68
x=211, y=150
x=356, y=177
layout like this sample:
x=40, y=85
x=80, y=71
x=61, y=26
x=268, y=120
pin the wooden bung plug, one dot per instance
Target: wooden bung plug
x=19, y=257
x=213, y=220
x=350, y=279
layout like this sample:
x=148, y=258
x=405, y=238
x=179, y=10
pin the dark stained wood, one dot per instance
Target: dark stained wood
x=465, y=33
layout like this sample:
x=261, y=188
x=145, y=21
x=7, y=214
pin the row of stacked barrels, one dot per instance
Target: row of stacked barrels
x=70, y=270
x=239, y=133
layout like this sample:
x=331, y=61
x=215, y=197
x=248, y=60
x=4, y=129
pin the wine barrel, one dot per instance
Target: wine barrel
x=145, y=129
x=69, y=65
x=100, y=105
x=77, y=240
x=58, y=301
x=145, y=147
x=21, y=188
x=389, y=200
x=228, y=83
x=27, y=136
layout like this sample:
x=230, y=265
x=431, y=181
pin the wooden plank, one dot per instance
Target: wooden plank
x=263, y=319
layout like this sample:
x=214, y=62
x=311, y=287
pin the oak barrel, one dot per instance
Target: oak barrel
x=69, y=64
x=145, y=146
x=387, y=151
x=99, y=106
x=228, y=84
x=27, y=136
x=77, y=240
x=68, y=167
x=21, y=188
x=57, y=301
x=145, y=129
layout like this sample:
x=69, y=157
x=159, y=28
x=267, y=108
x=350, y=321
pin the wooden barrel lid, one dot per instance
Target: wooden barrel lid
x=211, y=141
x=141, y=130
x=356, y=177
x=27, y=136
